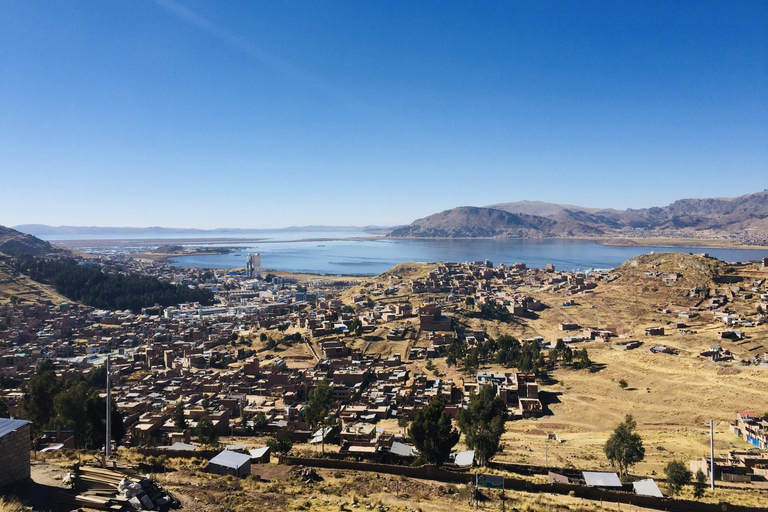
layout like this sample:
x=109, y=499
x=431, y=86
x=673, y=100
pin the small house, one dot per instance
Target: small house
x=230, y=463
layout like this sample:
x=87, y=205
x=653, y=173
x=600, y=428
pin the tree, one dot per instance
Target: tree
x=178, y=416
x=677, y=476
x=80, y=408
x=280, y=442
x=319, y=406
x=623, y=383
x=403, y=421
x=624, y=448
x=263, y=337
x=39, y=392
x=482, y=423
x=206, y=431
x=432, y=433
x=3, y=407
x=469, y=301
x=472, y=361
x=583, y=359
x=260, y=421
x=700, y=484
x=356, y=326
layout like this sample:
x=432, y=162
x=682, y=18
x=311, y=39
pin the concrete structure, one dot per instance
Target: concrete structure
x=14, y=452
x=253, y=265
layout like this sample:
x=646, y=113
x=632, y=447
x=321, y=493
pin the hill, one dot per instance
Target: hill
x=16, y=287
x=473, y=222
x=14, y=243
x=744, y=218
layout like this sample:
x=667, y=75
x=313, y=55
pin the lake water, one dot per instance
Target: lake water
x=374, y=256
x=344, y=252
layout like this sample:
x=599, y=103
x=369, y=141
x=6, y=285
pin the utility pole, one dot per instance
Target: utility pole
x=712, y=451
x=108, y=449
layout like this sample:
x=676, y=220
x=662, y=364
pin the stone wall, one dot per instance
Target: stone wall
x=14, y=457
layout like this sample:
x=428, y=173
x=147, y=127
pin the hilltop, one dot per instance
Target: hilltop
x=473, y=222
x=744, y=218
x=14, y=243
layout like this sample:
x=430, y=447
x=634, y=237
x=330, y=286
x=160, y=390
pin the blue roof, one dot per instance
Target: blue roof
x=8, y=425
x=230, y=459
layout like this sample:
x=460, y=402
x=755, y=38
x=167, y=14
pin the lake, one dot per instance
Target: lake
x=374, y=256
x=359, y=253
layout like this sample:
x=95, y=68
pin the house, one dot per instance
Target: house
x=654, y=331
x=14, y=452
x=260, y=455
x=230, y=463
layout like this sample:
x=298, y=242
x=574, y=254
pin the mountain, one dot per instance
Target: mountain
x=544, y=209
x=744, y=217
x=160, y=232
x=13, y=243
x=473, y=222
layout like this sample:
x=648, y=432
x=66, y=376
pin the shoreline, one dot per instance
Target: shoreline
x=672, y=242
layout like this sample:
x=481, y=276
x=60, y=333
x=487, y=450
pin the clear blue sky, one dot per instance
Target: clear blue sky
x=269, y=114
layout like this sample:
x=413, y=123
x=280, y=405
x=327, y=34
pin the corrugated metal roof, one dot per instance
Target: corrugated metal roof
x=403, y=450
x=259, y=452
x=182, y=447
x=600, y=479
x=647, y=487
x=8, y=425
x=230, y=459
x=465, y=458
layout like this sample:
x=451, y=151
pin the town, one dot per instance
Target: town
x=245, y=367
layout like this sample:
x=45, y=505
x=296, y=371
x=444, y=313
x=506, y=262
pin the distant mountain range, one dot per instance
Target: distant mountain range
x=157, y=231
x=744, y=217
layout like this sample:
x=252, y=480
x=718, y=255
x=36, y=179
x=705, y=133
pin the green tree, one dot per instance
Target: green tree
x=280, y=442
x=206, y=431
x=403, y=421
x=178, y=416
x=482, y=423
x=356, y=327
x=624, y=448
x=317, y=412
x=623, y=383
x=4, y=407
x=677, y=476
x=432, y=433
x=80, y=408
x=469, y=301
x=39, y=392
x=700, y=484
x=472, y=361
x=260, y=421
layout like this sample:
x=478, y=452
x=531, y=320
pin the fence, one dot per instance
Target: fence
x=429, y=472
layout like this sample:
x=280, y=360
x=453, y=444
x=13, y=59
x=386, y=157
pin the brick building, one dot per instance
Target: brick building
x=14, y=452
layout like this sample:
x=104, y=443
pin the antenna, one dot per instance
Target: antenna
x=712, y=451
x=108, y=449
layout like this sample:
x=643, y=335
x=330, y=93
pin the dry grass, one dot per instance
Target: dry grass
x=18, y=287
x=11, y=504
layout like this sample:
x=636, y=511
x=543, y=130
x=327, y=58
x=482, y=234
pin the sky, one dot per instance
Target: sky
x=250, y=114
